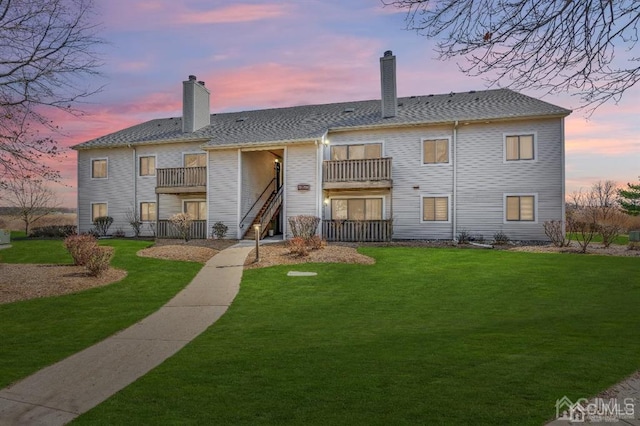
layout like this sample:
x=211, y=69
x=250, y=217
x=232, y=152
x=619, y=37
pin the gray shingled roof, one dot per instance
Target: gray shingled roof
x=309, y=122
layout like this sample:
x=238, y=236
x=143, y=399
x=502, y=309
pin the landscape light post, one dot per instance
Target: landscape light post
x=257, y=229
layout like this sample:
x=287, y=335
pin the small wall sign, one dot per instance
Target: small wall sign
x=304, y=187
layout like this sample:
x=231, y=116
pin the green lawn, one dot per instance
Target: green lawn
x=620, y=239
x=39, y=332
x=425, y=336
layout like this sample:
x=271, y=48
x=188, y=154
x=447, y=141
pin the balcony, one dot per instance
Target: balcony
x=166, y=229
x=181, y=180
x=357, y=174
x=357, y=230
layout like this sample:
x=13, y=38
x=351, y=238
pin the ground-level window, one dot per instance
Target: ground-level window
x=356, y=209
x=435, y=209
x=519, y=147
x=196, y=209
x=195, y=160
x=98, y=210
x=356, y=152
x=148, y=212
x=147, y=166
x=435, y=151
x=99, y=168
x=520, y=208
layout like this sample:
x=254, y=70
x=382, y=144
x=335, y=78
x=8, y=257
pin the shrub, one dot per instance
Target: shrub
x=182, y=222
x=304, y=226
x=553, y=230
x=464, y=237
x=52, y=231
x=80, y=247
x=500, y=238
x=99, y=260
x=316, y=242
x=633, y=245
x=298, y=246
x=119, y=233
x=102, y=224
x=134, y=221
x=219, y=230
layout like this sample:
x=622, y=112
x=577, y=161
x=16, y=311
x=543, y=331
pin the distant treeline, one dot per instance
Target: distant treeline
x=14, y=210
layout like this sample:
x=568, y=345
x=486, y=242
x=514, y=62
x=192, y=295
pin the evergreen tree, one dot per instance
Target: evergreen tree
x=629, y=199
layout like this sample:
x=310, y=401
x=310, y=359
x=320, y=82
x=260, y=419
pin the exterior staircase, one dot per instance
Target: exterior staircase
x=270, y=208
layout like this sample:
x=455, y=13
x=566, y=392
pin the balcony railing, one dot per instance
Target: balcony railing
x=181, y=177
x=371, y=169
x=166, y=229
x=357, y=230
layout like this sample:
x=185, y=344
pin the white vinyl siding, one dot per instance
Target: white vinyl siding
x=148, y=211
x=99, y=168
x=301, y=167
x=147, y=166
x=98, y=210
x=435, y=151
x=519, y=147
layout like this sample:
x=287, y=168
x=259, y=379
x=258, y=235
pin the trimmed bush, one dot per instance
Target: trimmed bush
x=80, y=247
x=182, y=222
x=298, y=246
x=99, y=260
x=102, y=224
x=304, y=226
x=464, y=237
x=500, y=238
x=219, y=230
x=52, y=231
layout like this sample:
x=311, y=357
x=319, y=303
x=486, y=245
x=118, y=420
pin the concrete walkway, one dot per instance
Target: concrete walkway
x=59, y=393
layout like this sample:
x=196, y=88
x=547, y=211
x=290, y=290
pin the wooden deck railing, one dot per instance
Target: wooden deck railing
x=181, y=177
x=166, y=229
x=357, y=230
x=371, y=169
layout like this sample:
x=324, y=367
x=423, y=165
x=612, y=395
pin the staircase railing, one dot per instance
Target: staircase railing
x=270, y=211
x=243, y=221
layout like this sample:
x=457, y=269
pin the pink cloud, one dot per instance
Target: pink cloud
x=235, y=13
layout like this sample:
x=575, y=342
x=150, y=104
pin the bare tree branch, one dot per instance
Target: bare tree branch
x=585, y=48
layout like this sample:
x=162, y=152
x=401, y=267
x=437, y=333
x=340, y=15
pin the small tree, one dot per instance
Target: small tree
x=134, y=221
x=629, y=199
x=182, y=222
x=31, y=198
x=219, y=230
x=102, y=225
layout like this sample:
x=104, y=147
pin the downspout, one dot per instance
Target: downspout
x=320, y=201
x=454, y=215
x=563, y=219
x=135, y=182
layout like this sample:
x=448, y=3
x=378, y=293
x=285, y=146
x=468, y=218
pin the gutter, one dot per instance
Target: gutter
x=454, y=150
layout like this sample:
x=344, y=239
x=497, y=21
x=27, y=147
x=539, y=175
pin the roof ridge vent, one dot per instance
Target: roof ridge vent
x=348, y=109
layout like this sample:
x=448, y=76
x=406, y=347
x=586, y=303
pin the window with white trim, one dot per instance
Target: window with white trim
x=195, y=160
x=435, y=209
x=147, y=166
x=519, y=147
x=197, y=209
x=435, y=151
x=98, y=210
x=356, y=152
x=356, y=209
x=148, y=212
x=99, y=168
x=520, y=208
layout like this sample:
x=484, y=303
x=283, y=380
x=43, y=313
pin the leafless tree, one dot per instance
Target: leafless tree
x=47, y=54
x=31, y=199
x=582, y=47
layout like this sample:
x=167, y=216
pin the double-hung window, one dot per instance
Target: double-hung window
x=520, y=208
x=519, y=147
x=435, y=151
x=195, y=160
x=197, y=209
x=356, y=209
x=98, y=210
x=148, y=212
x=99, y=168
x=435, y=209
x=147, y=166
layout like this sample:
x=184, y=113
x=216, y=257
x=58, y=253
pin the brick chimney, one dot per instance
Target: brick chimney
x=195, y=105
x=388, y=85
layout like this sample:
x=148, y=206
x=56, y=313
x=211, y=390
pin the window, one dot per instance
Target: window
x=356, y=209
x=99, y=169
x=435, y=151
x=196, y=209
x=435, y=209
x=147, y=166
x=98, y=210
x=356, y=152
x=520, y=208
x=195, y=160
x=148, y=212
x=519, y=147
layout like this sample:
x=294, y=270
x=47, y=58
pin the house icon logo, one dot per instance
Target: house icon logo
x=570, y=411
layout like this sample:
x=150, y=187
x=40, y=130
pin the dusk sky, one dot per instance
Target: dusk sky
x=263, y=54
